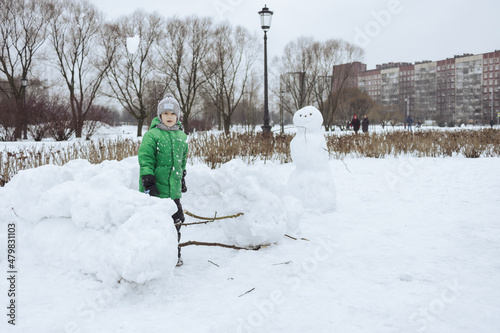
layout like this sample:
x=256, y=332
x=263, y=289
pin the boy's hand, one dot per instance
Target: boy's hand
x=183, y=182
x=149, y=183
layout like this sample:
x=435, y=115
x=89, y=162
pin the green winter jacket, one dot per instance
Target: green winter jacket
x=164, y=155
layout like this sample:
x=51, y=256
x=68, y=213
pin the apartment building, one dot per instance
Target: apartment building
x=464, y=88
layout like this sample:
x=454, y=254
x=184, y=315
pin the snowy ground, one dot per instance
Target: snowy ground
x=413, y=246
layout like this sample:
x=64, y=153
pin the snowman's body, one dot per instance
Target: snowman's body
x=312, y=180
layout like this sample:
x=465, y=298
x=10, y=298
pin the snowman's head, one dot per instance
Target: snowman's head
x=308, y=117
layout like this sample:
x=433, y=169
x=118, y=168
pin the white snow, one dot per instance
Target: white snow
x=413, y=245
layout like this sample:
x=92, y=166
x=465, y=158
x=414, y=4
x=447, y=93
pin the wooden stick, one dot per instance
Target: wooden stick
x=212, y=218
x=210, y=261
x=247, y=292
x=305, y=239
x=193, y=223
x=218, y=244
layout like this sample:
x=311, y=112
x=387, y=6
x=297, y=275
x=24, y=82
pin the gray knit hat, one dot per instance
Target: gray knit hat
x=169, y=103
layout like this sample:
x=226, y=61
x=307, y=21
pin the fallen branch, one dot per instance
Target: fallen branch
x=193, y=223
x=213, y=263
x=212, y=218
x=305, y=239
x=247, y=292
x=219, y=244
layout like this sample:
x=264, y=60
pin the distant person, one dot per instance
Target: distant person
x=409, y=121
x=364, y=124
x=355, y=124
x=492, y=122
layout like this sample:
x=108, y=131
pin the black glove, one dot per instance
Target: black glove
x=179, y=215
x=149, y=183
x=183, y=182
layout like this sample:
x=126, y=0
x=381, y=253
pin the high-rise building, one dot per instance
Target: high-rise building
x=464, y=88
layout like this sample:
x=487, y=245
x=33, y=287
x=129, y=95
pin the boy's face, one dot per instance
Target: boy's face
x=168, y=118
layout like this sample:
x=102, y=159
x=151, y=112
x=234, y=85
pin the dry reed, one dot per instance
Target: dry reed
x=217, y=149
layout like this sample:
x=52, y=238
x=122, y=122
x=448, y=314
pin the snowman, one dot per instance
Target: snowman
x=312, y=180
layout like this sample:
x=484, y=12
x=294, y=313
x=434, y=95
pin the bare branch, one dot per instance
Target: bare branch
x=212, y=218
x=221, y=245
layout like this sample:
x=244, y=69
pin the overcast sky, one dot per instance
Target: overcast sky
x=388, y=30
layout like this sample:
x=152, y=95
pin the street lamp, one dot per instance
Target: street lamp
x=265, y=21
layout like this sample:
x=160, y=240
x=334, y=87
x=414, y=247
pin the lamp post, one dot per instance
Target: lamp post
x=265, y=21
x=24, y=83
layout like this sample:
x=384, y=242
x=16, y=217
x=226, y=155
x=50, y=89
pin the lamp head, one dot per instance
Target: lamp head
x=265, y=18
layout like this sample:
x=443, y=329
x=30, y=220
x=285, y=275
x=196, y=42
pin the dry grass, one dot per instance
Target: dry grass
x=215, y=150
x=93, y=151
x=471, y=144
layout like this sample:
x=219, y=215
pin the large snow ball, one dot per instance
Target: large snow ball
x=24, y=192
x=309, y=118
x=90, y=218
x=264, y=219
x=205, y=187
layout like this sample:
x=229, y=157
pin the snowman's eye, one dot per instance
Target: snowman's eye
x=310, y=114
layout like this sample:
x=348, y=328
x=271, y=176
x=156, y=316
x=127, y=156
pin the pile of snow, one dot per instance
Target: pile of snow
x=93, y=219
x=259, y=195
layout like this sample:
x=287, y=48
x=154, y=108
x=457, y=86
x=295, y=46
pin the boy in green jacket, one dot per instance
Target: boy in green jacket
x=163, y=157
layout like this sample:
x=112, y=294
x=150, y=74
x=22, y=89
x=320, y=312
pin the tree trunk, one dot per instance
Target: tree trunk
x=140, y=123
x=19, y=120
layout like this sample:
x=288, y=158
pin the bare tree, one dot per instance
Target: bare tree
x=248, y=107
x=74, y=36
x=131, y=76
x=183, y=50
x=7, y=121
x=295, y=69
x=59, y=118
x=309, y=74
x=343, y=71
x=23, y=31
x=232, y=55
x=351, y=101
